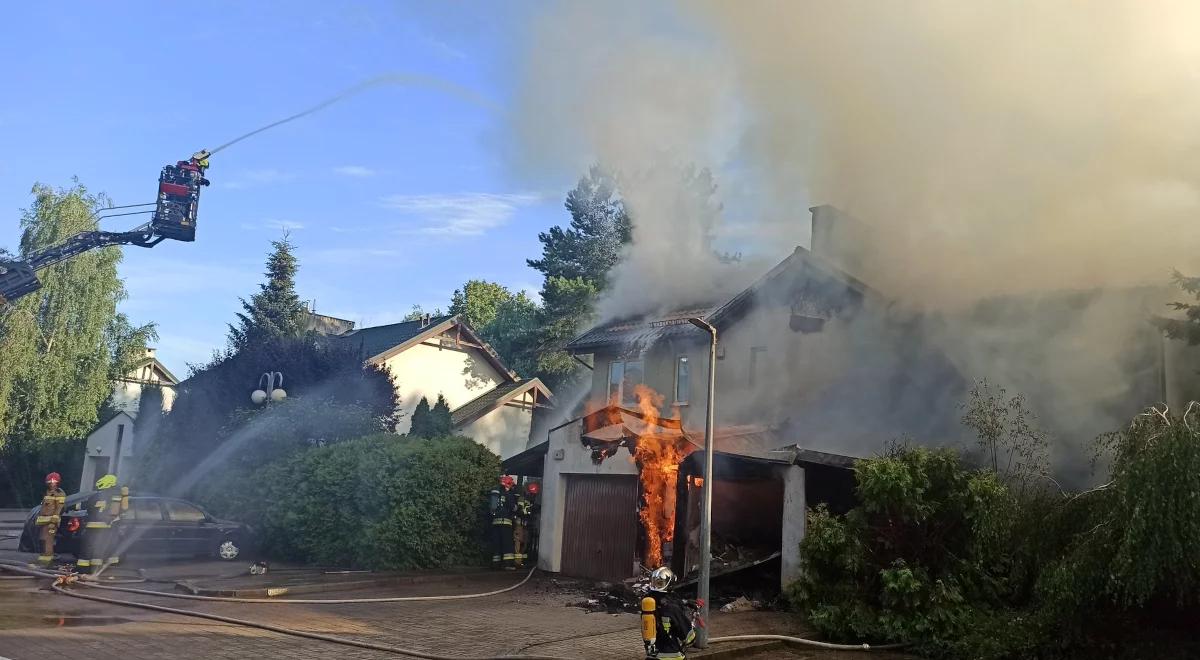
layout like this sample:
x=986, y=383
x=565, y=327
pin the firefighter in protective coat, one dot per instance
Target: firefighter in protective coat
x=103, y=509
x=53, y=503
x=503, y=502
x=666, y=628
x=522, y=514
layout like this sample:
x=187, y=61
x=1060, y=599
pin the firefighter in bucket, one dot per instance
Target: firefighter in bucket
x=666, y=627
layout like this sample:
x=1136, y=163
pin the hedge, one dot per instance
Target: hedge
x=380, y=502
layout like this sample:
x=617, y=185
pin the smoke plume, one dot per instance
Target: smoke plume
x=986, y=149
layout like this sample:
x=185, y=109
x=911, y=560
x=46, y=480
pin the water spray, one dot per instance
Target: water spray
x=387, y=79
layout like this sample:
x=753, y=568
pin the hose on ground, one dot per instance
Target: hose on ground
x=11, y=566
x=298, y=601
x=805, y=642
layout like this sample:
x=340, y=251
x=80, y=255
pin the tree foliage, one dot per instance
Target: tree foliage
x=958, y=564
x=61, y=346
x=430, y=422
x=439, y=418
x=213, y=404
x=422, y=424
x=1188, y=327
x=417, y=313
x=506, y=320
x=1008, y=435
x=276, y=310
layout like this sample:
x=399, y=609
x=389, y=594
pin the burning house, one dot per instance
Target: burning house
x=814, y=368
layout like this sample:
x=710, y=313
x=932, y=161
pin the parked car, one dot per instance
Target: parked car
x=154, y=525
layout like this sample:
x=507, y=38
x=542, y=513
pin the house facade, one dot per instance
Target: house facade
x=111, y=446
x=444, y=356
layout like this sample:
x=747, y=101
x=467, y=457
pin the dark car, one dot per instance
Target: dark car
x=153, y=525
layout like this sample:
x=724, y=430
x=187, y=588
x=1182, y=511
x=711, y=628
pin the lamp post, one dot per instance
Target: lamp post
x=270, y=388
x=706, y=488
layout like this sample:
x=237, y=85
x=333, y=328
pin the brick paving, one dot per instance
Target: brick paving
x=535, y=619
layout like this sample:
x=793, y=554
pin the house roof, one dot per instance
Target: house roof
x=168, y=377
x=377, y=340
x=493, y=399
x=381, y=342
x=641, y=331
x=637, y=333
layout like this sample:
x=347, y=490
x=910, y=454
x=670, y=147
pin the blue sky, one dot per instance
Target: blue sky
x=393, y=197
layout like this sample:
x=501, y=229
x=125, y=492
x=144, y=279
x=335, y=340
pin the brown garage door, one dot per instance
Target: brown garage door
x=600, y=526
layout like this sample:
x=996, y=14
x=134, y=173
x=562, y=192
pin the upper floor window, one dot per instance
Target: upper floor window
x=758, y=364
x=683, y=379
x=623, y=379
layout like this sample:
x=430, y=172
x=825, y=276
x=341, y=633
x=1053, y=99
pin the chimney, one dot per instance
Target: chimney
x=149, y=352
x=425, y=321
x=835, y=238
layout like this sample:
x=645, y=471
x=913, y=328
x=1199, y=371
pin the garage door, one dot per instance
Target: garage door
x=600, y=527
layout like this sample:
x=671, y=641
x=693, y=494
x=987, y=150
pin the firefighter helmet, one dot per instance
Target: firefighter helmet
x=107, y=481
x=54, y=477
x=533, y=488
x=507, y=481
x=661, y=578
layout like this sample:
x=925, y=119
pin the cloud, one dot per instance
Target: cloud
x=252, y=178
x=461, y=214
x=357, y=171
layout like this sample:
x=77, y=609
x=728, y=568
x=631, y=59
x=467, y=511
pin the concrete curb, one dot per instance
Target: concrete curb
x=321, y=587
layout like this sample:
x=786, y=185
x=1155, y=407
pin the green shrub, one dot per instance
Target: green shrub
x=383, y=502
x=921, y=560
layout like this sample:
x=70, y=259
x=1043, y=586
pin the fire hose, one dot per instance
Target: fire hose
x=16, y=567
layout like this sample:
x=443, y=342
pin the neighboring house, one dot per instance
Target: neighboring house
x=444, y=356
x=148, y=372
x=111, y=445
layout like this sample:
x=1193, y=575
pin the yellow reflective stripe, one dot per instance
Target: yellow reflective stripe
x=97, y=525
x=115, y=498
x=501, y=521
x=60, y=498
x=42, y=520
x=45, y=557
x=114, y=560
x=101, y=505
x=84, y=562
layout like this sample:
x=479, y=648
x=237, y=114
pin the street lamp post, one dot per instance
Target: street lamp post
x=270, y=388
x=707, y=486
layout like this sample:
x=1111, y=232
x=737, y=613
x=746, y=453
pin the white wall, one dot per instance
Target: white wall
x=459, y=374
x=565, y=456
x=102, y=443
x=795, y=514
x=505, y=430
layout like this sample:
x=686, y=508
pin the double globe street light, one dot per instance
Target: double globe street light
x=270, y=388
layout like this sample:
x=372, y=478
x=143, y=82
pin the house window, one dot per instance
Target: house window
x=623, y=379
x=758, y=362
x=683, y=379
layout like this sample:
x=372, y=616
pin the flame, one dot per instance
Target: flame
x=658, y=459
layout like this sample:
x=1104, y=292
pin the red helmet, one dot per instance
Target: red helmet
x=533, y=488
x=507, y=481
x=54, y=477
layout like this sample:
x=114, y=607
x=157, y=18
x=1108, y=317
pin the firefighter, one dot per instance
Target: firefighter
x=97, y=533
x=53, y=503
x=522, y=513
x=666, y=628
x=119, y=503
x=532, y=490
x=503, y=503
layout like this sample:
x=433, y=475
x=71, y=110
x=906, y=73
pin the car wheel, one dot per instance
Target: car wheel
x=228, y=550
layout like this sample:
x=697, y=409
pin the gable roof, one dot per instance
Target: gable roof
x=114, y=414
x=168, y=377
x=636, y=333
x=493, y=399
x=382, y=342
